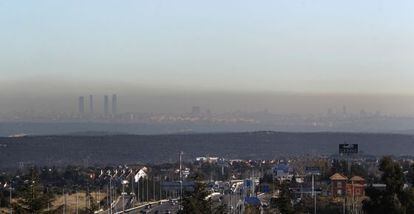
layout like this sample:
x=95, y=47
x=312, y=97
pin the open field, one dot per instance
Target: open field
x=77, y=200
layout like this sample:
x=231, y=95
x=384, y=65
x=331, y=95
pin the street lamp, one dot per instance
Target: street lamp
x=181, y=180
x=110, y=195
x=313, y=171
x=10, y=202
x=124, y=182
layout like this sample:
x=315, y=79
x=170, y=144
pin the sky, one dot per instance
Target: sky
x=295, y=46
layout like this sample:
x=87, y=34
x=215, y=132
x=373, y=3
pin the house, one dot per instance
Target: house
x=356, y=187
x=142, y=173
x=342, y=186
x=338, y=185
x=282, y=172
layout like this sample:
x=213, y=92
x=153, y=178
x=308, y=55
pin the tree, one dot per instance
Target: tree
x=195, y=202
x=284, y=202
x=393, y=199
x=33, y=198
x=3, y=199
x=392, y=176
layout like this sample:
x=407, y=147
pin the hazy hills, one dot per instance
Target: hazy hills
x=127, y=149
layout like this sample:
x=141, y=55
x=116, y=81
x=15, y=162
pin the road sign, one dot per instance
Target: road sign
x=266, y=188
x=248, y=183
x=348, y=148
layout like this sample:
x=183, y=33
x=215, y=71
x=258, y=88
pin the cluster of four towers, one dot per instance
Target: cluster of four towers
x=81, y=105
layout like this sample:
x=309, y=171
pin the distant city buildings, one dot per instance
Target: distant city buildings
x=91, y=104
x=92, y=113
x=114, y=104
x=106, y=105
x=196, y=110
x=81, y=105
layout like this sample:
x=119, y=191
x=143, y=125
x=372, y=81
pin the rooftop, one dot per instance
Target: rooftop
x=357, y=178
x=338, y=177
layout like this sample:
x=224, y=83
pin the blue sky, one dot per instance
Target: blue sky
x=315, y=46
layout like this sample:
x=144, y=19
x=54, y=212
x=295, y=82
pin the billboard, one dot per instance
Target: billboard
x=348, y=148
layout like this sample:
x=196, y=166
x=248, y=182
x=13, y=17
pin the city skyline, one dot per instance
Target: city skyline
x=235, y=106
x=179, y=102
x=285, y=56
x=105, y=109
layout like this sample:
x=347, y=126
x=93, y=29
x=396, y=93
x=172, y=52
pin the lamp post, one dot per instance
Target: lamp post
x=160, y=193
x=181, y=181
x=124, y=182
x=77, y=202
x=10, y=201
x=110, y=195
x=313, y=193
x=133, y=190
x=313, y=171
x=147, y=190
x=64, y=199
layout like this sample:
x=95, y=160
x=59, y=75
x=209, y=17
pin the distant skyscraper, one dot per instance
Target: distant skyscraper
x=208, y=113
x=81, y=103
x=106, y=105
x=114, y=104
x=196, y=110
x=91, y=104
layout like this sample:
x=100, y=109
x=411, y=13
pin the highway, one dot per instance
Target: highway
x=156, y=208
x=233, y=198
x=121, y=203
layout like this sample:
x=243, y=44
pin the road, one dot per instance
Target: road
x=157, y=209
x=234, y=197
x=232, y=200
x=121, y=203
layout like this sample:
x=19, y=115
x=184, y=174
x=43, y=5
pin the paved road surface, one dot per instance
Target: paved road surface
x=158, y=208
x=118, y=207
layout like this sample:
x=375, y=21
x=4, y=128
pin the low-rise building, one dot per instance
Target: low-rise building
x=282, y=172
x=338, y=185
x=356, y=187
x=342, y=186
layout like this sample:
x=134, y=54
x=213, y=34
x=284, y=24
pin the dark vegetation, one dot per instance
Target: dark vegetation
x=130, y=149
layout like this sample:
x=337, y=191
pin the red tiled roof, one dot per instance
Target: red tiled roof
x=338, y=177
x=357, y=178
